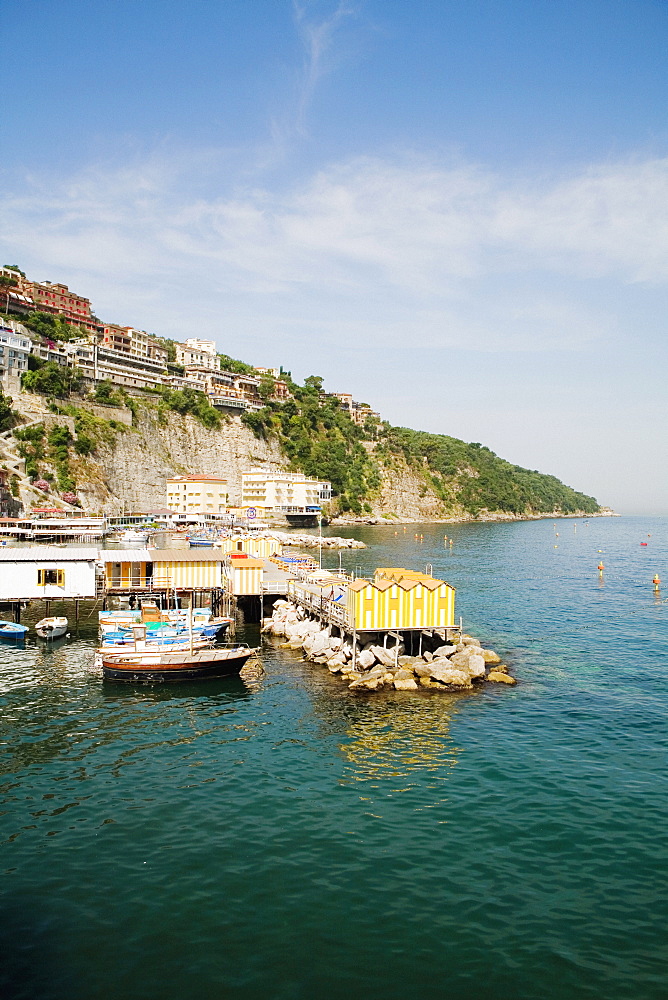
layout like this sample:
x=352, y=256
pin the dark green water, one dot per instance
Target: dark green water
x=295, y=840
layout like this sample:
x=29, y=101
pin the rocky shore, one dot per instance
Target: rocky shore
x=440, y=667
x=314, y=541
x=350, y=519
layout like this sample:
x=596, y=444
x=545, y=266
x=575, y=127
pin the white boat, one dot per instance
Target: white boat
x=133, y=537
x=51, y=628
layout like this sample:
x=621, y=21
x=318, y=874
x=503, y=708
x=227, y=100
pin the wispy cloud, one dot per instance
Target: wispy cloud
x=317, y=24
x=367, y=252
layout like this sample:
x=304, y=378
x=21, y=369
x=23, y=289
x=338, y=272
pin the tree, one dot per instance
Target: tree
x=52, y=379
x=6, y=282
x=7, y=415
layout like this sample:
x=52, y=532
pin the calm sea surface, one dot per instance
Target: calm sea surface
x=292, y=839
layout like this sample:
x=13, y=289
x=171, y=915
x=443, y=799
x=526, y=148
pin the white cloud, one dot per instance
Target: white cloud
x=369, y=251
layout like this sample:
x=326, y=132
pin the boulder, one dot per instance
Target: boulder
x=491, y=657
x=405, y=684
x=333, y=667
x=425, y=682
x=427, y=656
x=476, y=666
x=402, y=674
x=388, y=678
x=366, y=659
x=468, y=640
x=498, y=677
x=445, y=650
x=422, y=670
x=451, y=675
x=407, y=661
x=383, y=656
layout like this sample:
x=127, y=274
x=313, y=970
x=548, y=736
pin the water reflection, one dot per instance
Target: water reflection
x=392, y=737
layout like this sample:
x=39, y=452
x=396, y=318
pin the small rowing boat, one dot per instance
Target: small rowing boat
x=160, y=666
x=51, y=628
x=10, y=630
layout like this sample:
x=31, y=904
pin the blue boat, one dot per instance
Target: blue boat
x=201, y=543
x=10, y=630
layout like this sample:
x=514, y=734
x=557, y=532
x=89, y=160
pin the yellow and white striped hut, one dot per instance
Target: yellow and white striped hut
x=401, y=599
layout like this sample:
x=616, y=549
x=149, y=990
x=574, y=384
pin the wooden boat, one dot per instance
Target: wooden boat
x=150, y=666
x=51, y=628
x=10, y=630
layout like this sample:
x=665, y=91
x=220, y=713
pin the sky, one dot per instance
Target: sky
x=456, y=210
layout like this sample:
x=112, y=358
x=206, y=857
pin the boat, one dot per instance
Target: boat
x=199, y=542
x=51, y=628
x=132, y=537
x=149, y=666
x=11, y=630
x=152, y=644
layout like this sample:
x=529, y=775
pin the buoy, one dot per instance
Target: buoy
x=643, y=543
x=656, y=582
x=557, y=535
x=601, y=567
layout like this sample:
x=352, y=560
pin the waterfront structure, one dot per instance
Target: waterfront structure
x=197, y=494
x=253, y=545
x=47, y=572
x=283, y=492
x=99, y=363
x=243, y=575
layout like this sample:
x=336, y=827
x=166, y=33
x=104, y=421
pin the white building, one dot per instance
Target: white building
x=284, y=492
x=198, y=352
x=197, y=495
x=46, y=571
x=15, y=347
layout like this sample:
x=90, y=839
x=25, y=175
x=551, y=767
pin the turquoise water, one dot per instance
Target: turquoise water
x=291, y=839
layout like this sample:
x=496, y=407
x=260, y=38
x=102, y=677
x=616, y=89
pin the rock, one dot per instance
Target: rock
x=425, y=682
x=423, y=670
x=445, y=650
x=294, y=644
x=402, y=674
x=405, y=684
x=366, y=659
x=406, y=661
x=383, y=656
x=476, y=666
x=468, y=640
x=501, y=668
x=388, y=678
x=498, y=677
x=427, y=656
x=334, y=668
x=490, y=656
x=451, y=675
x=336, y=661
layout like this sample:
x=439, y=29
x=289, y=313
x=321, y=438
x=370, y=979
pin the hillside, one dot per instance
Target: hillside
x=118, y=457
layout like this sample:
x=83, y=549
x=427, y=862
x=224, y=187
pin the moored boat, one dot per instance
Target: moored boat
x=51, y=628
x=11, y=630
x=132, y=537
x=151, y=666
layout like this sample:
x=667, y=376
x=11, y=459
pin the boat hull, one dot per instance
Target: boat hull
x=161, y=668
x=52, y=628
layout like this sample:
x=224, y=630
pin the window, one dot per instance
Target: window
x=51, y=577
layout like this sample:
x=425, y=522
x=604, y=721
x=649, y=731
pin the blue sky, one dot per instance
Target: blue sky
x=455, y=210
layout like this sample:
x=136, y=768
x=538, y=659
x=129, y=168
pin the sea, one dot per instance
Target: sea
x=288, y=839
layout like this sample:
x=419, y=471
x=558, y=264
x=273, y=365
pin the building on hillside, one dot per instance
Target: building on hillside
x=188, y=355
x=280, y=390
x=15, y=348
x=283, y=492
x=358, y=412
x=48, y=350
x=197, y=494
x=100, y=363
x=55, y=298
x=16, y=298
x=116, y=338
x=195, y=344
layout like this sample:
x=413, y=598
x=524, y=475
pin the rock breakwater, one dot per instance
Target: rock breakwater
x=307, y=541
x=372, y=666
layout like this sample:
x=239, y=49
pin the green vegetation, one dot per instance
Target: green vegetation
x=321, y=441
x=31, y=447
x=476, y=478
x=8, y=416
x=229, y=364
x=106, y=394
x=189, y=401
x=53, y=328
x=51, y=379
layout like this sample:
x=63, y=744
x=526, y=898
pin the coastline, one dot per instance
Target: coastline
x=342, y=520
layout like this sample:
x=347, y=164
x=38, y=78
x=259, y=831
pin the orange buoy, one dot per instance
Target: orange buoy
x=656, y=582
x=601, y=567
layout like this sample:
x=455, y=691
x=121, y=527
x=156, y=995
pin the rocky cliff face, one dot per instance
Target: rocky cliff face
x=133, y=470
x=130, y=472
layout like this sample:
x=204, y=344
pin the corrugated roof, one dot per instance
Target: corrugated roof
x=125, y=555
x=186, y=555
x=47, y=553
